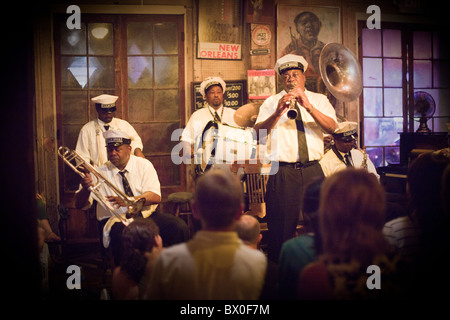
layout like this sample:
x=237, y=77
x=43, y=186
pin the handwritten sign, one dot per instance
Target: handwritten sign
x=235, y=95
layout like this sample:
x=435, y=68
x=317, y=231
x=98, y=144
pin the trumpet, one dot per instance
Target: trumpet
x=75, y=161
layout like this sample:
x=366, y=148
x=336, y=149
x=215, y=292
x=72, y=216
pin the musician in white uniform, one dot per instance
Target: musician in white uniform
x=343, y=152
x=136, y=177
x=91, y=144
x=294, y=147
x=212, y=90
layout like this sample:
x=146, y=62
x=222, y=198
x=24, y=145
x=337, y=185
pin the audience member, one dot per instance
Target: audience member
x=215, y=263
x=351, y=217
x=297, y=252
x=421, y=237
x=248, y=229
x=138, y=239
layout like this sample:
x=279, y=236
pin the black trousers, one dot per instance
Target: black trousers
x=173, y=230
x=284, y=202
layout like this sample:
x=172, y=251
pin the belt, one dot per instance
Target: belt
x=298, y=165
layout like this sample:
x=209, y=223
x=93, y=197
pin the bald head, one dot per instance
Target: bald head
x=248, y=229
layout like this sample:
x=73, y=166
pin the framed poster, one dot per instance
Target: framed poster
x=261, y=83
x=220, y=29
x=305, y=31
x=235, y=95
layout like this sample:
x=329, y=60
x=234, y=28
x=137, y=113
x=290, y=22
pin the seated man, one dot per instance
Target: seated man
x=90, y=143
x=215, y=264
x=137, y=178
x=344, y=153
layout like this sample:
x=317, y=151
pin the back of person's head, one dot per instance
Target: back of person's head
x=138, y=238
x=248, y=229
x=218, y=198
x=352, y=215
x=424, y=179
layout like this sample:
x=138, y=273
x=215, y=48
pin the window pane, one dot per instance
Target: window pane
x=139, y=39
x=140, y=72
x=166, y=71
x=392, y=155
x=393, y=102
x=73, y=72
x=392, y=43
x=73, y=107
x=101, y=72
x=422, y=45
x=73, y=41
x=372, y=72
x=371, y=40
x=422, y=74
x=382, y=131
x=100, y=38
x=156, y=137
x=166, y=41
x=392, y=72
x=376, y=156
x=167, y=105
x=373, y=102
x=140, y=105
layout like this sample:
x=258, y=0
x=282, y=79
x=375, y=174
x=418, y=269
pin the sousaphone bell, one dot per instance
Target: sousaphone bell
x=340, y=72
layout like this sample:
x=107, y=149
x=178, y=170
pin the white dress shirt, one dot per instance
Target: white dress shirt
x=142, y=177
x=283, y=139
x=199, y=119
x=91, y=143
x=330, y=162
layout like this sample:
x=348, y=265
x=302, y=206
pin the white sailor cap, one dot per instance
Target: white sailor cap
x=105, y=101
x=346, y=131
x=290, y=61
x=116, y=138
x=211, y=81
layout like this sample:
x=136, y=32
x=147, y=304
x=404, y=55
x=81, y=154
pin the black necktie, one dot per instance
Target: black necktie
x=302, y=146
x=216, y=117
x=106, y=126
x=126, y=185
x=348, y=162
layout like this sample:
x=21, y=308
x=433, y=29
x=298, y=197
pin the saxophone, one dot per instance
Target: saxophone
x=364, y=162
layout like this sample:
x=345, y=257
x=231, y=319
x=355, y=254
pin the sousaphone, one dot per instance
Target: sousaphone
x=340, y=72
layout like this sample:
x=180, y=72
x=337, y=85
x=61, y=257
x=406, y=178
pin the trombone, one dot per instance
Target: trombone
x=75, y=161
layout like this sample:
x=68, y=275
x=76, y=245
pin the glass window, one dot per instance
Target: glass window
x=392, y=43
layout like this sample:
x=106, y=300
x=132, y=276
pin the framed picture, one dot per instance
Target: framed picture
x=304, y=31
x=261, y=83
x=220, y=30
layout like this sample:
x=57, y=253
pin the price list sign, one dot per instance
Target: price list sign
x=234, y=97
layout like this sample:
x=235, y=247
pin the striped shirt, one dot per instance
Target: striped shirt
x=404, y=235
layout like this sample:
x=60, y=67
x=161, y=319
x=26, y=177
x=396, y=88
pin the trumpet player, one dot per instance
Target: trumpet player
x=294, y=146
x=344, y=153
x=137, y=178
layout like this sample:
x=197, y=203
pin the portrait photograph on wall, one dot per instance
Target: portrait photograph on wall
x=305, y=31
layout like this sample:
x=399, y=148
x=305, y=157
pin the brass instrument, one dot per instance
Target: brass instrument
x=364, y=162
x=340, y=72
x=75, y=161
